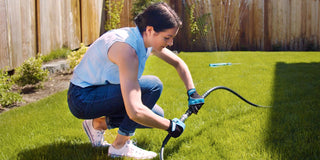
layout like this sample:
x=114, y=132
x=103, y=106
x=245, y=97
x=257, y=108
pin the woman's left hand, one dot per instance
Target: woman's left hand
x=195, y=101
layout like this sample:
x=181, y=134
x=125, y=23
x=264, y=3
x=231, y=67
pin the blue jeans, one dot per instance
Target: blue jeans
x=106, y=100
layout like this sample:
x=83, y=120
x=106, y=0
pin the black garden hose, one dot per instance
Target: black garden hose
x=189, y=112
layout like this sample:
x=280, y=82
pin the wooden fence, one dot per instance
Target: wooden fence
x=282, y=25
x=18, y=31
x=29, y=27
x=252, y=25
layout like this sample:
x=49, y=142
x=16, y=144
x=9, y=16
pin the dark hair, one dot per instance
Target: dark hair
x=158, y=15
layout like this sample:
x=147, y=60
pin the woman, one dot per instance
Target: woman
x=108, y=89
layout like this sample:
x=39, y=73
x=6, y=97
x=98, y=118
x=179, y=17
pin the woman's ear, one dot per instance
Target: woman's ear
x=149, y=30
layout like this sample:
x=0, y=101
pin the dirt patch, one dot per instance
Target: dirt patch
x=56, y=82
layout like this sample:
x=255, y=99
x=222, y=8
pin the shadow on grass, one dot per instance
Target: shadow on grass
x=69, y=151
x=65, y=151
x=294, y=125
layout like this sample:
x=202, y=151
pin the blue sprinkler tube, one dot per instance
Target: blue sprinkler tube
x=219, y=64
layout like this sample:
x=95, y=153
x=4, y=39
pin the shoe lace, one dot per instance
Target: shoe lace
x=100, y=137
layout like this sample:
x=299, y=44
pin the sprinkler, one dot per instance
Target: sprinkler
x=189, y=112
x=221, y=64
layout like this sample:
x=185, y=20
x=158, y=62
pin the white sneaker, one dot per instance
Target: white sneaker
x=132, y=151
x=96, y=137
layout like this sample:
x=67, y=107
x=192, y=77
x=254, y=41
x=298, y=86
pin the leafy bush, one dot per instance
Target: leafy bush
x=56, y=54
x=30, y=72
x=7, y=97
x=198, y=25
x=141, y=5
x=114, y=10
x=75, y=57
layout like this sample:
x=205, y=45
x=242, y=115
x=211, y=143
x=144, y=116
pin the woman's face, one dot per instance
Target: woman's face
x=160, y=40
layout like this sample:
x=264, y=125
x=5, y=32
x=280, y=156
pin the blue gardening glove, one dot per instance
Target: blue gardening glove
x=195, y=100
x=176, y=128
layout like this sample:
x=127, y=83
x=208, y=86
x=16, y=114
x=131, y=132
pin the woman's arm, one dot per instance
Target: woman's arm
x=181, y=67
x=195, y=101
x=127, y=60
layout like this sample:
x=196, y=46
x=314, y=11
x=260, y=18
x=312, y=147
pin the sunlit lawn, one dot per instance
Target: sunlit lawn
x=225, y=127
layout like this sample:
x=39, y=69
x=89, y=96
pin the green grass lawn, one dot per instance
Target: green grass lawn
x=225, y=127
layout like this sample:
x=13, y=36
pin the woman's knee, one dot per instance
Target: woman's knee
x=158, y=110
x=151, y=83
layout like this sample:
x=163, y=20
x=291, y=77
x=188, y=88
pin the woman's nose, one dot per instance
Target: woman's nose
x=170, y=42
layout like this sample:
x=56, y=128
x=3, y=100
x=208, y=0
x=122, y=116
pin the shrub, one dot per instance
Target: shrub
x=140, y=5
x=7, y=97
x=114, y=10
x=30, y=72
x=56, y=54
x=75, y=57
x=198, y=25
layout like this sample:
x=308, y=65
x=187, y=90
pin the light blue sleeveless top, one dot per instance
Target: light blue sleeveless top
x=95, y=67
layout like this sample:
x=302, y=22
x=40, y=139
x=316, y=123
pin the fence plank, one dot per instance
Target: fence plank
x=313, y=22
x=21, y=30
x=295, y=24
x=304, y=17
x=126, y=20
x=211, y=35
x=91, y=19
x=59, y=25
x=267, y=25
x=257, y=40
x=50, y=25
x=4, y=51
x=28, y=29
x=282, y=16
x=244, y=26
x=235, y=28
x=318, y=25
x=71, y=30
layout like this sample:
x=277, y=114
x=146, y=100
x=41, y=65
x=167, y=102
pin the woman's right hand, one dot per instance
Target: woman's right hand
x=176, y=128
